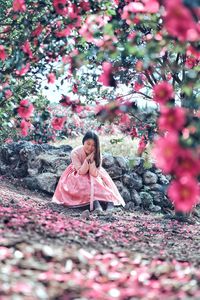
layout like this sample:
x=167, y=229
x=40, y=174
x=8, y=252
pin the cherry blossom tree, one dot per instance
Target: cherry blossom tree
x=150, y=46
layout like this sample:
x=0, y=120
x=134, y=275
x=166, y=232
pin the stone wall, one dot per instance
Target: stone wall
x=40, y=166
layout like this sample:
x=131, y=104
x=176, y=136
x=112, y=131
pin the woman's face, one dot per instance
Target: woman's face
x=89, y=146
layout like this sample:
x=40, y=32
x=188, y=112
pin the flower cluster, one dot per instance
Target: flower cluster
x=171, y=155
x=25, y=110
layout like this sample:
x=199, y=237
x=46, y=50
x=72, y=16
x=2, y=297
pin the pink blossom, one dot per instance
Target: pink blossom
x=132, y=8
x=25, y=125
x=172, y=119
x=191, y=51
x=184, y=193
x=37, y=31
x=3, y=54
x=51, y=78
x=26, y=48
x=85, y=5
x=64, y=32
x=165, y=151
x=25, y=109
x=191, y=62
x=138, y=86
x=23, y=70
x=61, y=7
x=142, y=145
x=179, y=21
x=58, y=123
x=19, y=5
x=106, y=77
x=8, y=93
x=163, y=92
x=188, y=163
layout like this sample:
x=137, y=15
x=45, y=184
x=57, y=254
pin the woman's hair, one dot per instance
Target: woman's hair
x=91, y=135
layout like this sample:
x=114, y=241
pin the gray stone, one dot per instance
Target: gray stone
x=122, y=162
x=126, y=194
x=155, y=208
x=163, y=179
x=139, y=166
x=157, y=187
x=130, y=206
x=147, y=199
x=115, y=172
x=150, y=177
x=135, y=197
x=47, y=182
x=136, y=181
x=119, y=185
x=108, y=161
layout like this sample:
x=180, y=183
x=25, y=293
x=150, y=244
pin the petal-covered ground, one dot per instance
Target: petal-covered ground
x=50, y=252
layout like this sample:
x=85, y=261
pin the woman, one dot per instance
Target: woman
x=85, y=182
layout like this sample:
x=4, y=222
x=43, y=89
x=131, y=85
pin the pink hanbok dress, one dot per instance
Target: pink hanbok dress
x=81, y=184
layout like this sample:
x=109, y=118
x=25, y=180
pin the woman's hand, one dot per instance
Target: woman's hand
x=90, y=157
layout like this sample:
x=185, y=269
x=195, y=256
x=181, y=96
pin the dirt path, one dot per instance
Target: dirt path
x=50, y=252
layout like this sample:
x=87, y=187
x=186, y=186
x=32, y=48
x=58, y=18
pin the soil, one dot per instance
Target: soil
x=48, y=251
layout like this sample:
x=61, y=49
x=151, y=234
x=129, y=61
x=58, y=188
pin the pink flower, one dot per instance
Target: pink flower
x=19, y=5
x=75, y=88
x=26, y=48
x=3, y=54
x=138, y=86
x=107, y=77
x=25, y=125
x=23, y=70
x=65, y=101
x=191, y=62
x=142, y=145
x=172, y=119
x=51, y=78
x=37, y=31
x=179, y=21
x=188, y=163
x=165, y=152
x=184, y=193
x=58, y=123
x=65, y=32
x=85, y=5
x=61, y=7
x=163, y=92
x=8, y=93
x=25, y=109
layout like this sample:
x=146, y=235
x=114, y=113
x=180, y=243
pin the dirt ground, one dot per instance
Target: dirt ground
x=48, y=251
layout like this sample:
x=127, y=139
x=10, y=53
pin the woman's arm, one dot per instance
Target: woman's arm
x=82, y=169
x=93, y=170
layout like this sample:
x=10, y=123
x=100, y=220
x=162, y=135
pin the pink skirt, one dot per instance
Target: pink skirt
x=74, y=190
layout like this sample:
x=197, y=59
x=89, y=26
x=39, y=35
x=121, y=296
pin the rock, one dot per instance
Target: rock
x=158, y=198
x=155, y=208
x=47, y=182
x=136, y=181
x=157, y=187
x=135, y=197
x=150, y=178
x=126, y=194
x=130, y=206
x=163, y=179
x=108, y=161
x=115, y=172
x=119, y=185
x=139, y=166
x=85, y=215
x=121, y=162
x=147, y=199
x=51, y=162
